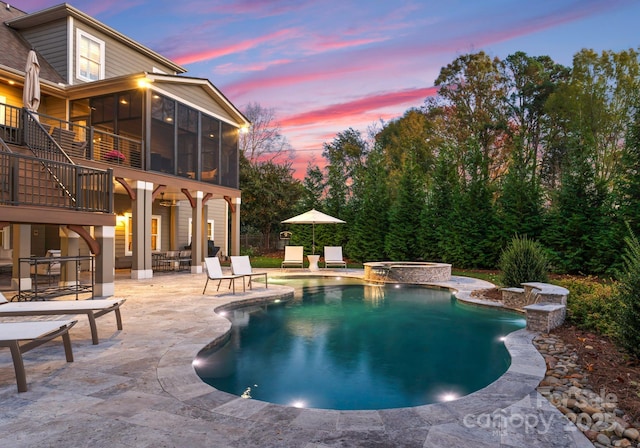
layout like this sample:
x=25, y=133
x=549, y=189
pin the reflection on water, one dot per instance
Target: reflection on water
x=353, y=346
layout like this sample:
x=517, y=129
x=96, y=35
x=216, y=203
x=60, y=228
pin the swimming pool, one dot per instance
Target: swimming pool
x=345, y=345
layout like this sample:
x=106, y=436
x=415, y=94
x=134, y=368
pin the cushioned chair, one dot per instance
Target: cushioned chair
x=92, y=308
x=241, y=265
x=214, y=272
x=293, y=255
x=333, y=256
x=37, y=333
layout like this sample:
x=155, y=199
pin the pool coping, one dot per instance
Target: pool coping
x=507, y=412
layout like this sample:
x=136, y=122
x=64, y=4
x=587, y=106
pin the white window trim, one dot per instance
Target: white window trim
x=210, y=236
x=126, y=233
x=79, y=34
x=4, y=239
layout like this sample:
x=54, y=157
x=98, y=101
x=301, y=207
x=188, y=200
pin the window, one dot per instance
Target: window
x=209, y=229
x=156, y=226
x=90, y=57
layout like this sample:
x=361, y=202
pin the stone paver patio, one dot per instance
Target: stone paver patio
x=137, y=388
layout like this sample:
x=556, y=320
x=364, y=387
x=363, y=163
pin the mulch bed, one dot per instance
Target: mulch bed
x=608, y=368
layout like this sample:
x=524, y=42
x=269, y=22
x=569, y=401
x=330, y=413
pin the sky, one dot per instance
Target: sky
x=324, y=66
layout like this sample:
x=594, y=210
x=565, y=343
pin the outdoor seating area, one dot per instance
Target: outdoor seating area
x=214, y=272
x=172, y=260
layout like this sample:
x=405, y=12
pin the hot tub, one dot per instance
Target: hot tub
x=407, y=272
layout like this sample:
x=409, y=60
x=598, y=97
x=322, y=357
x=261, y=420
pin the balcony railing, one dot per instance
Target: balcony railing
x=26, y=180
x=55, y=139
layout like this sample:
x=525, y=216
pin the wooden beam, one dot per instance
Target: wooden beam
x=232, y=206
x=206, y=198
x=159, y=189
x=127, y=187
x=94, y=247
x=27, y=214
x=4, y=224
x=192, y=200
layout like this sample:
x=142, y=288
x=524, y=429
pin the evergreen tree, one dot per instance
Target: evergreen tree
x=401, y=242
x=370, y=212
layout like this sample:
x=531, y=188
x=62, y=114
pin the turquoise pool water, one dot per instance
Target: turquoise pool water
x=352, y=346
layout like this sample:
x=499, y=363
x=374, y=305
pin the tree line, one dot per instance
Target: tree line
x=520, y=146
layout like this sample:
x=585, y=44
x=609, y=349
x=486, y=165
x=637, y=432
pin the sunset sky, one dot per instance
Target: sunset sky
x=327, y=65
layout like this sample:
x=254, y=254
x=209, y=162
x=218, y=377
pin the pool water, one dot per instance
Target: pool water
x=353, y=346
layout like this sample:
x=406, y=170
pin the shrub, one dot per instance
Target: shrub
x=592, y=305
x=629, y=297
x=523, y=260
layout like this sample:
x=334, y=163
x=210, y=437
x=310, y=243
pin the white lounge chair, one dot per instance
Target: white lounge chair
x=92, y=308
x=214, y=272
x=333, y=256
x=241, y=265
x=293, y=255
x=37, y=333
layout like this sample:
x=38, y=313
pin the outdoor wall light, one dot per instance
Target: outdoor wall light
x=144, y=83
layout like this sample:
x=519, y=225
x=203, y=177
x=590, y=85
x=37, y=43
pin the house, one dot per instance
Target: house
x=125, y=156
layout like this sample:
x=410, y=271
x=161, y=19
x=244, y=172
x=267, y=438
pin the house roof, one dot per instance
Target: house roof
x=15, y=49
x=64, y=10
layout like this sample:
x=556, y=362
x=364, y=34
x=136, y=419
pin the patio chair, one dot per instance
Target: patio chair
x=333, y=256
x=241, y=265
x=214, y=272
x=169, y=261
x=49, y=269
x=293, y=255
x=37, y=333
x=92, y=308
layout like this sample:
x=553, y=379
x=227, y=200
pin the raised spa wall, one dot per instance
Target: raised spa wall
x=406, y=272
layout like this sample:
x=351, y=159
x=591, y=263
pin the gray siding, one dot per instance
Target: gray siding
x=51, y=42
x=198, y=96
x=120, y=59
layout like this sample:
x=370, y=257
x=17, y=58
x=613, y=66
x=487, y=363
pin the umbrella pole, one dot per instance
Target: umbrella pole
x=313, y=239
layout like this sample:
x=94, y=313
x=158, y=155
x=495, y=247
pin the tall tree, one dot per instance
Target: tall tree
x=263, y=139
x=402, y=240
x=268, y=190
x=369, y=211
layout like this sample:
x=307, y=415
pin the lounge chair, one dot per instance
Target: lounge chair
x=241, y=265
x=92, y=308
x=333, y=256
x=293, y=255
x=12, y=333
x=214, y=272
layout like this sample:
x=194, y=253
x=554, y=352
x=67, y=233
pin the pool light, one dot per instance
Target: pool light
x=299, y=404
x=448, y=396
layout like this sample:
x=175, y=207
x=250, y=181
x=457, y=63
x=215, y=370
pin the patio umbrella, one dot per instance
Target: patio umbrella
x=313, y=217
x=31, y=92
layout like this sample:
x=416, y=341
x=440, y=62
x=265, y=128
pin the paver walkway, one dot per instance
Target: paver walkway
x=137, y=388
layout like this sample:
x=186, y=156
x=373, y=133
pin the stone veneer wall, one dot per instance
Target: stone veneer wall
x=407, y=272
x=544, y=317
x=545, y=305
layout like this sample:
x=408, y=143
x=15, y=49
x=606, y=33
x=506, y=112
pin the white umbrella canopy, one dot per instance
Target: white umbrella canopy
x=313, y=217
x=31, y=92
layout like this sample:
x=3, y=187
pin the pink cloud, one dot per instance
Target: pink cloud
x=338, y=112
x=229, y=49
x=226, y=69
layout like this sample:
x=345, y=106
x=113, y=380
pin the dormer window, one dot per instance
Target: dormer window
x=90, y=60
